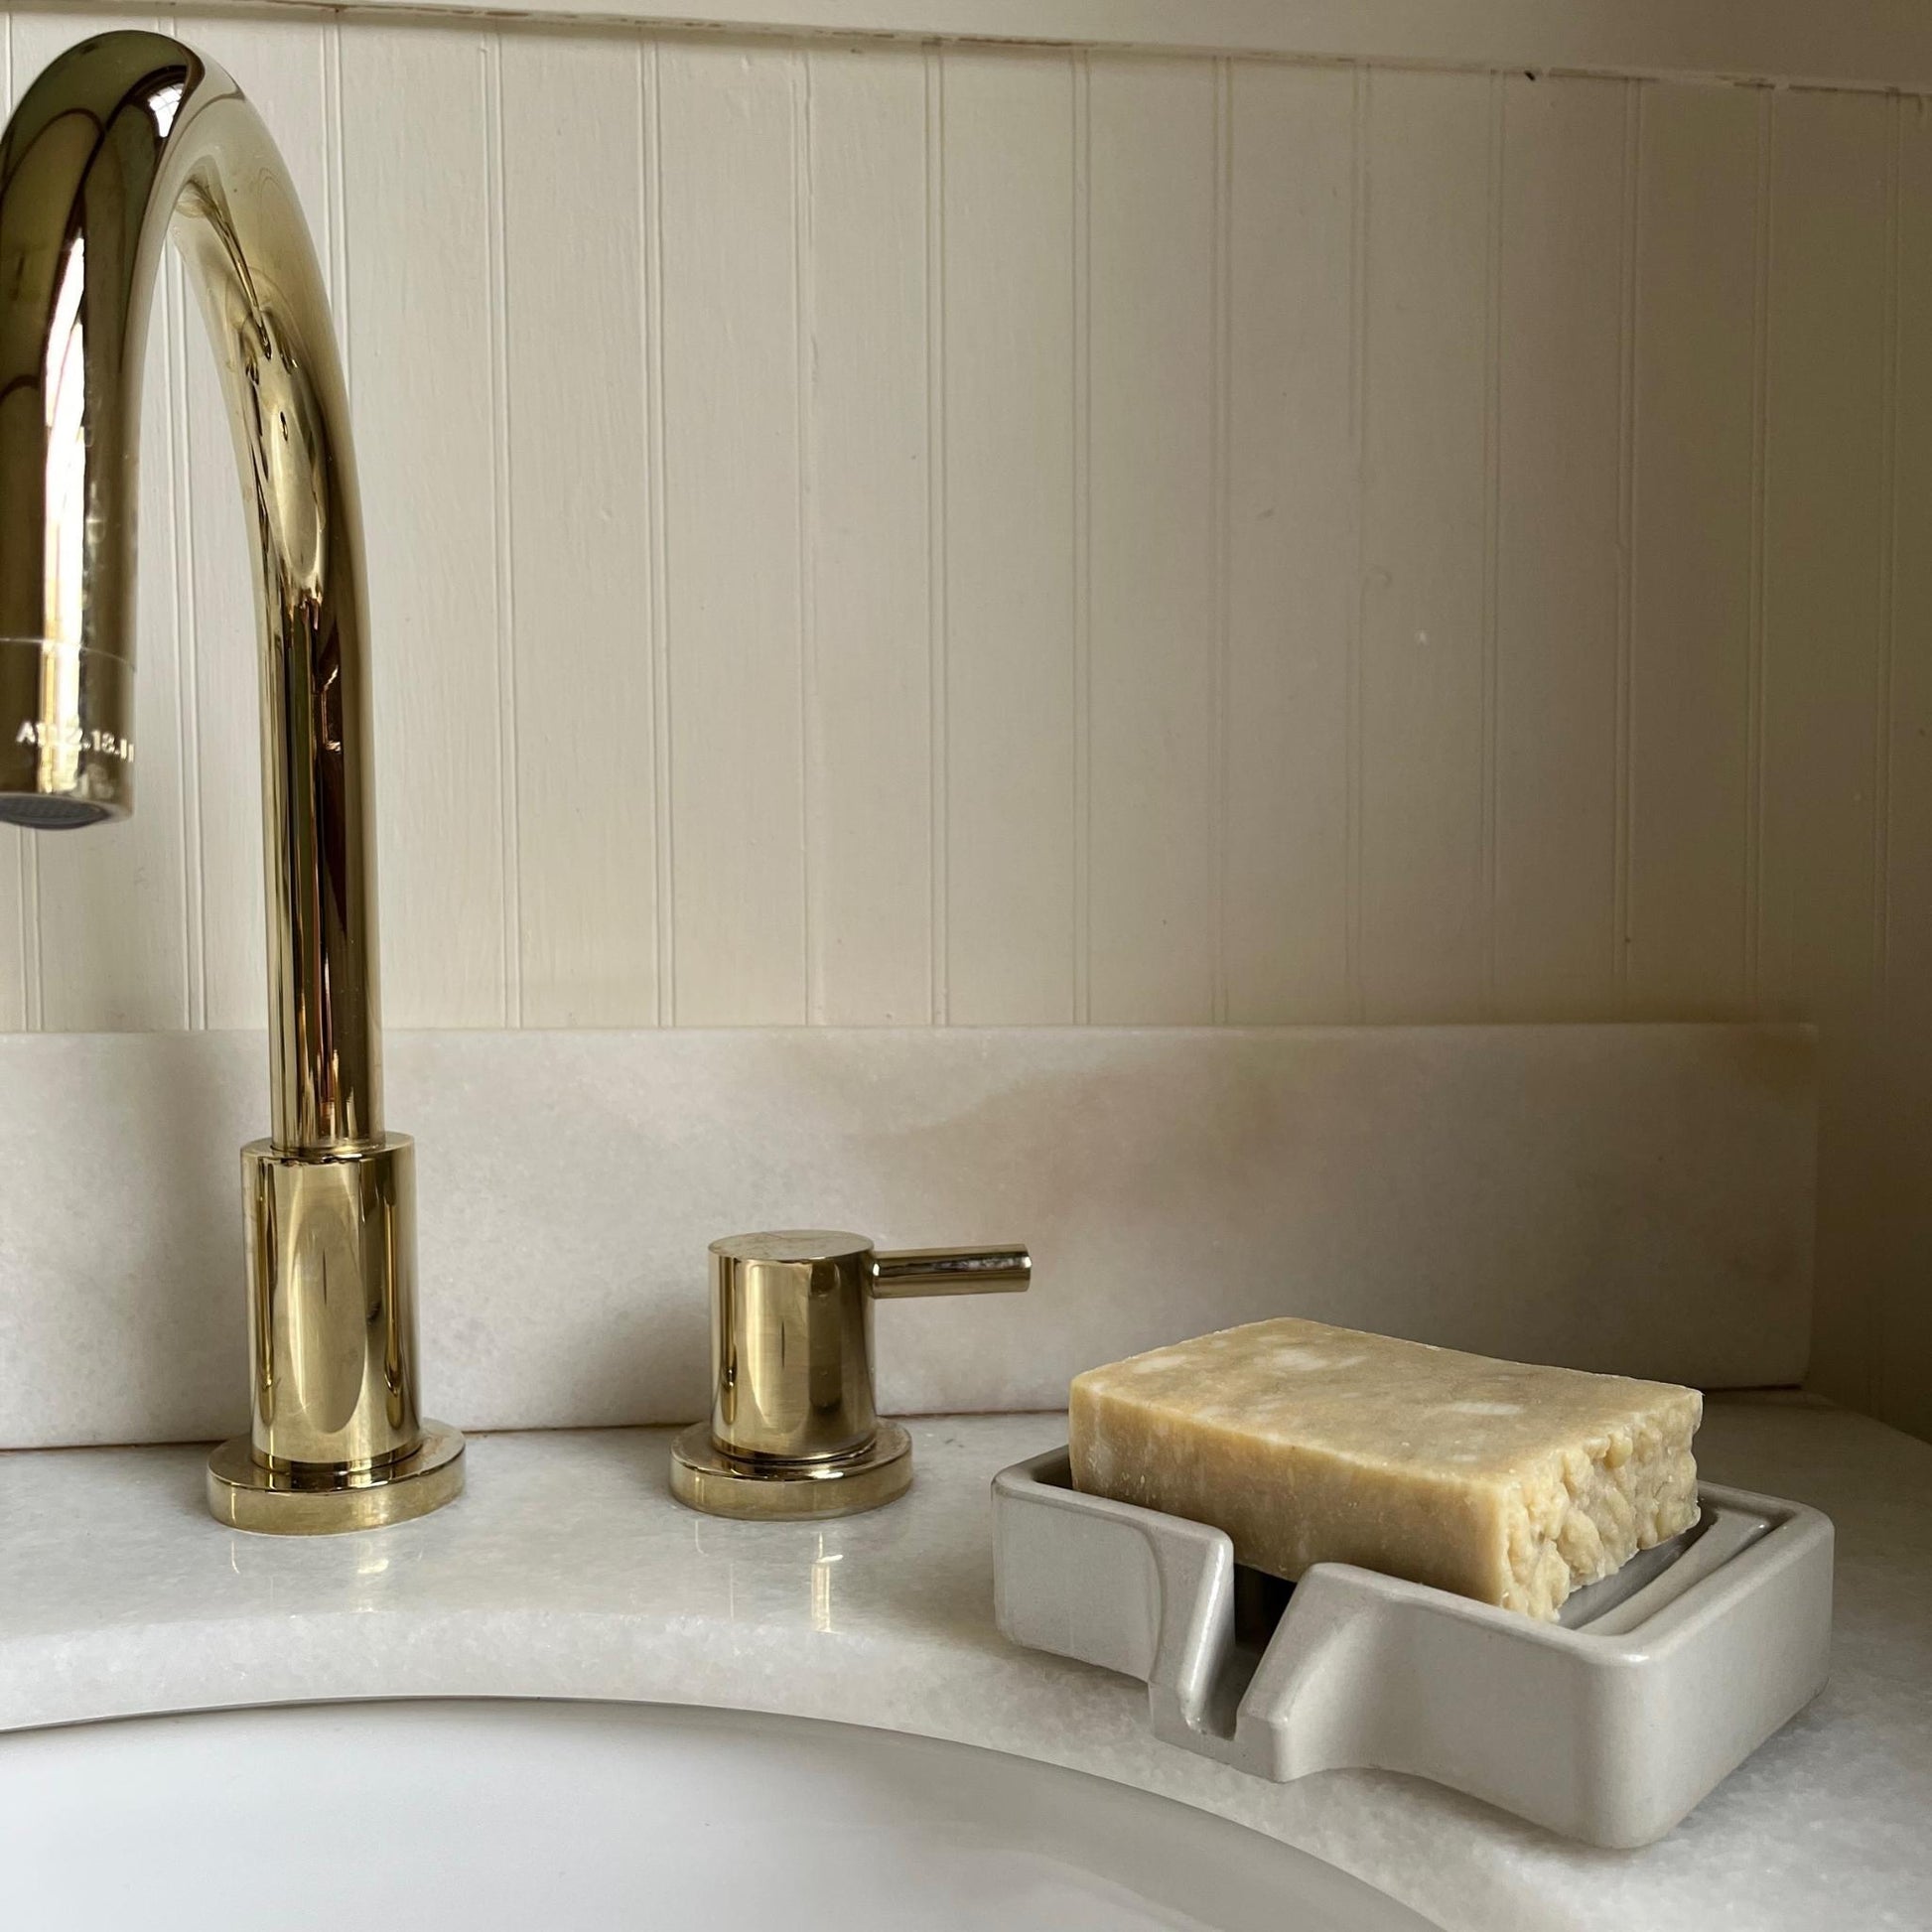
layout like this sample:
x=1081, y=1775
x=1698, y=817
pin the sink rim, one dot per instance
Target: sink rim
x=1087, y=1812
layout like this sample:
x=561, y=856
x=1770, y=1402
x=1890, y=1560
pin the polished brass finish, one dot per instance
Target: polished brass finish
x=793, y=1430
x=314, y=1501
x=949, y=1271
x=708, y=1479
x=124, y=140
x=791, y=1346
x=332, y=1308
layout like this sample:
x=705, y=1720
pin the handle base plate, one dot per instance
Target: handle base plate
x=721, y=1485
x=324, y=1499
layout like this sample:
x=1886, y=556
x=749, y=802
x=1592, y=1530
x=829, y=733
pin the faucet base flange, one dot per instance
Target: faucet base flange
x=326, y=1502
x=703, y=1477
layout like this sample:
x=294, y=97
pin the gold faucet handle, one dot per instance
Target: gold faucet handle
x=793, y=1429
x=1004, y=1270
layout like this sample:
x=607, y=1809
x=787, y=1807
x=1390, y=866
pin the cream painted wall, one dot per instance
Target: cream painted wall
x=900, y=534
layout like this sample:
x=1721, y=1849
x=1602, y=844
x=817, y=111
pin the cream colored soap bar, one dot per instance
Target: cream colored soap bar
x=1307, y=1444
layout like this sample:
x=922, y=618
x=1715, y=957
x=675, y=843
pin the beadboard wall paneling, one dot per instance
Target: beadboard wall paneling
x=731, y=139
x=423, y=320
x=574, y=572
x=1559, y=606
x=1695, y=549
x=1889, y=1335
x=1878, y=45
x=1292, y=314
x=1829, y=369
x=1012, y=620
x=882, y=534
x=1155, y=181
x=867, y=543
x=1426, y=830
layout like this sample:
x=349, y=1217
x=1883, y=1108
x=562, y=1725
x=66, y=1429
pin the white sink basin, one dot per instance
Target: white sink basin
x=464, y=1817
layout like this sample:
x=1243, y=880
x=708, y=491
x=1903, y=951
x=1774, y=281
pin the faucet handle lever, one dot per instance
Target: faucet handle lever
x=1003, y=1270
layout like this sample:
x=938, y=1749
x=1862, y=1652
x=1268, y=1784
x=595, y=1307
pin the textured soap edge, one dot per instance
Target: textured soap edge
x=1524, y=1542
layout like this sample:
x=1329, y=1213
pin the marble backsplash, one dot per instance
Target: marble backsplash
x=1636, y=1199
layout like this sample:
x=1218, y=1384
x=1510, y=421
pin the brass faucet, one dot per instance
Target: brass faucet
x=124, y=140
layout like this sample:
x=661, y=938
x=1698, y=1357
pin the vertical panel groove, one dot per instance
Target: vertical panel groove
x=728, y=137
x=1220, y=441
x=804, y=326
x=1432, y=435
x=651, y=161
x=1011, y=361
x=1760, y=472
x=937, y=817
x=1562, y=518
x=1888, y=557
x=187, y=688
x=578, y=587
x=1082, y=271
x=1693, y=554
x=503, y=528
x=1492, y=459
x=1152, y=494
x=26, y=846
x=335, y=213
x=172, y=304
x=1358, y=381
x=1292, y=551
x=863, y=372
x=1626, y=536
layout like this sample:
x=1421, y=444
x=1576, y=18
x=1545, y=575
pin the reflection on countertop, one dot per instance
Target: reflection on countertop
x=568, y=1570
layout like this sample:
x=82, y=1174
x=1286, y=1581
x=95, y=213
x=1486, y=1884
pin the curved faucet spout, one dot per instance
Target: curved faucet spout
x=126, y=139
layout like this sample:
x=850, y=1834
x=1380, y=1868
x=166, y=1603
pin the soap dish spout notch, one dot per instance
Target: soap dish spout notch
x=1607, y=1726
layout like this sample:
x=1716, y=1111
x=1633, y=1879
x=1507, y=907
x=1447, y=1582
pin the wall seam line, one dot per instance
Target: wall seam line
x=503, y=532
x=1491, y=774
x=1755, y=618
x=804, y=326
x=335, y=185
x=33, y=1012
x=33, y=939
x=1623, y=830
x=1887, y=560
x=181, y=529
x=939, y=799
x=1878, y=1303
x=658, y=528
x=1354, y=964
x=1082, y=587
x=1221, y=431
x=641, y=509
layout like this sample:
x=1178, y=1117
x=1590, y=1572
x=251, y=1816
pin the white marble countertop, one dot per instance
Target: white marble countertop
x=567, y=1571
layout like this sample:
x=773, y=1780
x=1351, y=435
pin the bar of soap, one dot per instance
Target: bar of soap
x=1308, y=1444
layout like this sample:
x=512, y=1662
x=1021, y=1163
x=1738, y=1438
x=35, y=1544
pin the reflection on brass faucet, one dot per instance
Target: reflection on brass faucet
x=793, y=1430
x=124, y=140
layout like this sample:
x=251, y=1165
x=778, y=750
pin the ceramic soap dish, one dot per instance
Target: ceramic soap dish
x=1607, y=1726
